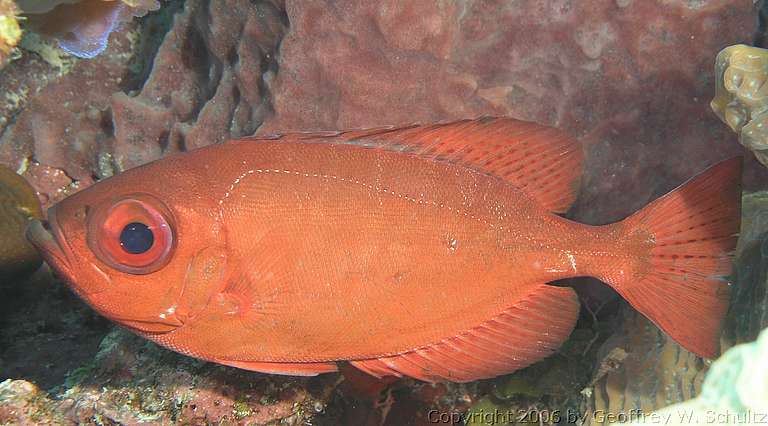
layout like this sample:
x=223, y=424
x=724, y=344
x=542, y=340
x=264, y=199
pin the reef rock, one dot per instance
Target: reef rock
x=10, y=33
x=741, y=95
x=53, y=133
x=126, y=386
x=640, y=369
x=734, y=392
x=749, y=299
x=632, y=79
x=207, y=85
x=82, y=28
x=207, y=82
x=625, y=76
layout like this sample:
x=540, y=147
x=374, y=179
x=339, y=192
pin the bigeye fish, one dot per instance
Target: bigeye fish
x=422, y=251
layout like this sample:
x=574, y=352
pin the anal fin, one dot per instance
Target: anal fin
x=525, y=333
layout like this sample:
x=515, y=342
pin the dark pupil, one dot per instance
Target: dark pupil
x=136, y=238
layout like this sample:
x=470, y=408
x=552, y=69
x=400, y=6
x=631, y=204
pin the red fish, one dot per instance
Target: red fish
x=423, y=251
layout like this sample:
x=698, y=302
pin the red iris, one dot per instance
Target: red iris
x=133, y=235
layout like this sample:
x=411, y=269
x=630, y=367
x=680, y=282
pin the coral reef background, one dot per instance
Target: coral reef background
x=631, y=79
x=10, y=32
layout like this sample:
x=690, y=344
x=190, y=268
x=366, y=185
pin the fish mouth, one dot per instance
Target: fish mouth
x=49, y=240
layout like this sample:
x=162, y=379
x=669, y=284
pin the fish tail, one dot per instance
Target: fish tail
x=689, y=235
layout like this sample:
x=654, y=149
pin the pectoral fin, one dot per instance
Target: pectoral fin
x=285, y=368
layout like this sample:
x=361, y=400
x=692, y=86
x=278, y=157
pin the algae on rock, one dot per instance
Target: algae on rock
x=734, y=392
x=10, y=32
x=741, y=95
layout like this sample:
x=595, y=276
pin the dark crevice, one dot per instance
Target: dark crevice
x=233, y=58
x=235, y=107
x=163, y=141
x=153, y=28
x=106, y=123
x=180, y=141
x=216, y=66
x=199, y=59
x=195, y=56
x=283, y=15
x=761, y=38
x=47, y=331
x=270, y=64
x=236, y=96
x=9, y=124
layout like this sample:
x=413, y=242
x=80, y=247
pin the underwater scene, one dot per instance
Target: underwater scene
x=339, y=212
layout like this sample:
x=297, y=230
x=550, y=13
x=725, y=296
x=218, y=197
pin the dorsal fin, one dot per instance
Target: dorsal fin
x=542, y=161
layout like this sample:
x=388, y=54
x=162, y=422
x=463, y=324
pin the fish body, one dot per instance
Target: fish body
x=423, y=251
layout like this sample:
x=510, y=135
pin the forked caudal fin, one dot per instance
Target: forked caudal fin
x=692, y=231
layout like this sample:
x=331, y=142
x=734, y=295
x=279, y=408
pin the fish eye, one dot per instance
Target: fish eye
x=133, y=235
x=136, y=238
